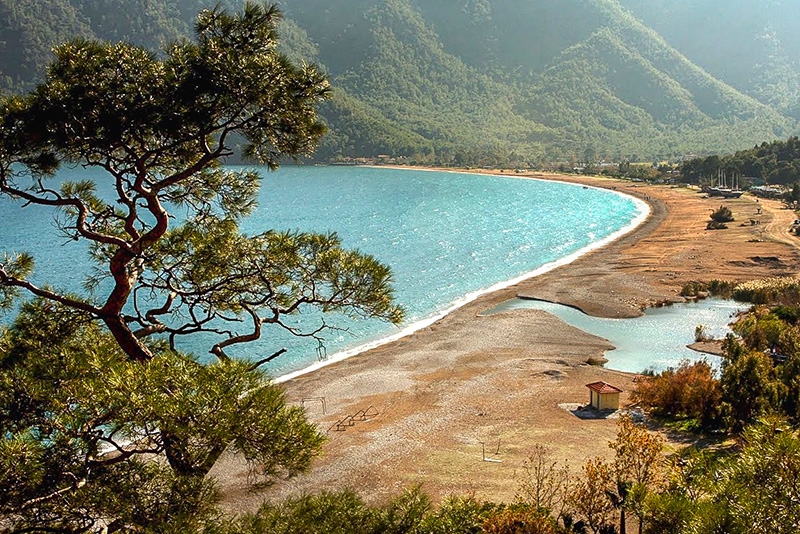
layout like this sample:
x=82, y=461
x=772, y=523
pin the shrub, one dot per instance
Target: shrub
x=701, y=334
x=519, y=519
x=692, y=289
x=688, y=391
x=768, y=290
x=717, y=288
x=721, y=288
x=722, y=215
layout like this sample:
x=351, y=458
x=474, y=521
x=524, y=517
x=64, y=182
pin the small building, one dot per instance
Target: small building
x=603, y=396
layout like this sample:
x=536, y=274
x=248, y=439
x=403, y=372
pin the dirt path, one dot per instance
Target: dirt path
x=778, y=229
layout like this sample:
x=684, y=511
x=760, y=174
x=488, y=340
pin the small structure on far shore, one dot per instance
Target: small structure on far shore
x=603, y=396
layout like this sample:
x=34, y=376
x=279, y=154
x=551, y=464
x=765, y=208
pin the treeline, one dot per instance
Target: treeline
x=777, y=163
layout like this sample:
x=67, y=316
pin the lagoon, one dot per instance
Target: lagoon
x=448, y=237
x=654, y=341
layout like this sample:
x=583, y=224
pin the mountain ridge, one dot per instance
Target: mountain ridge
x=485, y=82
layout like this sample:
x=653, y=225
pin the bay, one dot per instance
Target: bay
x=448, y=237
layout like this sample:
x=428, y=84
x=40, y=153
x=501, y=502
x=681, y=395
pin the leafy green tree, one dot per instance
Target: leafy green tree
x=749, y=386
x=110, y=426
x=160, y=128
x=762, y=484
x=80, y=424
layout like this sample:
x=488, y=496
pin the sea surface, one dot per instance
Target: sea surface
x=448, y=237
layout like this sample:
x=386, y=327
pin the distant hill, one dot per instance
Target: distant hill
x=490, y=82
x=753, y=45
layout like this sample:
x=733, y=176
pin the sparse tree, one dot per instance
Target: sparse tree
x=637, y=467
x=544, y=483
x=588, y=497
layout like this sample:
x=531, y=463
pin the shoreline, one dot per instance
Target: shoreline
x=506, y=382
x=644, y=212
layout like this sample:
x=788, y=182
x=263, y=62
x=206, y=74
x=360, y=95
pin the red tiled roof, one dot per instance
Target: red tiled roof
x=603, y=387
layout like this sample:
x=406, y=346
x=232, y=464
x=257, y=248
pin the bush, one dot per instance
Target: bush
x=717, y=288
x=769, y=290
x=701, y=334
x=721, y=288
x=688, y=391
x=519, y=519
x=722, y=215
x=693, y=289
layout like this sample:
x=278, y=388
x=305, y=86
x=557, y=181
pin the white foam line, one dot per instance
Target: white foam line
x=644, y=211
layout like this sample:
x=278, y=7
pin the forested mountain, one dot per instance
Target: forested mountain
x=753, y=45
x=485, y=82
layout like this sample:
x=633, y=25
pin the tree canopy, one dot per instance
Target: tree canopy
x=160, y=128
x=102, y=422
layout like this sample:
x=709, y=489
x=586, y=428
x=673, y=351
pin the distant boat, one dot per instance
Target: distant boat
x=721, y=189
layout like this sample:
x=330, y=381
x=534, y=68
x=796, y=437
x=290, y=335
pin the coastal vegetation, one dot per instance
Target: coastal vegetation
x=535, y=83
x=775, y=163
x=102, y=422
x=758, y=375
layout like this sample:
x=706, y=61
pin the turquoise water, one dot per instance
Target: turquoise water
x=656, y=340
x=447, y=236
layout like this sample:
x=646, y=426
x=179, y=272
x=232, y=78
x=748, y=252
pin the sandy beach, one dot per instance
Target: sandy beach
x=431, y=408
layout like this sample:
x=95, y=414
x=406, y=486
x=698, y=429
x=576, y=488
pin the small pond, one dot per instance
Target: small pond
x=656, y=340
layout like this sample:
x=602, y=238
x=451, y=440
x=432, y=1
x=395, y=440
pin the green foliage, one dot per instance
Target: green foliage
x=689, y=391
x=776, y=162
x=410, y=513
x=693, y=289
x=160, y=127
x=334, y=513
x=109, y=426
x=762, y=484
x=722, y=215
x=769, y=290
x=88, y=434
x=507, y=84
x=749, y=387
x=750, y=490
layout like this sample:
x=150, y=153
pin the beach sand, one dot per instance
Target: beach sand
x=431, y=408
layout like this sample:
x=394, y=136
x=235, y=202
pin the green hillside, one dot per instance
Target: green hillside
x=753, y=45
x=476, y=82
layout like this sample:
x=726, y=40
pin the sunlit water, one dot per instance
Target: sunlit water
x=448, y=237
x=656, y=340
